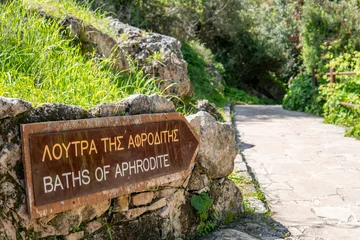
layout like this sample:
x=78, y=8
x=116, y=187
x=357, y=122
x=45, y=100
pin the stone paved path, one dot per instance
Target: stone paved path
x=309, y=172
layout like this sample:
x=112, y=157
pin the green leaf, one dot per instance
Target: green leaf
x=201, y=202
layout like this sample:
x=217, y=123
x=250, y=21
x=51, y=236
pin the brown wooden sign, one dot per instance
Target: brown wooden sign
x=73, y=163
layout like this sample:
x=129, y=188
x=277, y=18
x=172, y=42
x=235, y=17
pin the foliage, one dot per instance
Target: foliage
x=303, y=96
x=346, y=89
x=208, y=85
x=39, y=64
x=203, y=204
x=249, y=38
x=329, y=28
x=206, y=76
x=241, y=97
x=64, y=8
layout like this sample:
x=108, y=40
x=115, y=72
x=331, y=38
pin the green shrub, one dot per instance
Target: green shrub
x=203, y=204
x=336, y=113
x=303, y=96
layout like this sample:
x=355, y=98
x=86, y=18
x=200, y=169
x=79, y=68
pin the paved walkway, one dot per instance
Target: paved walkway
x=309, y=172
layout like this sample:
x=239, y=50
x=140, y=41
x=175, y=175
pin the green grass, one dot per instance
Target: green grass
x=39, y=64
x=64, y=8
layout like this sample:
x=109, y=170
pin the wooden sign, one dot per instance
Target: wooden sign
x=73, y=163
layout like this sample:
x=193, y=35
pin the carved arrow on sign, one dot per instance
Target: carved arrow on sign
x=69, y=164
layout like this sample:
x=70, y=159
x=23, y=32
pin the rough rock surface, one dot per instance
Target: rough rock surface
x=109, y=109
x=227, y=200
x=55, y=112
x=63, y=223
x=145, y=47
x=204, y=105
x=139, y=104
x=198, y=180
x=104, y=44
x=10, y=107
x=135, y=104
x=217, y=145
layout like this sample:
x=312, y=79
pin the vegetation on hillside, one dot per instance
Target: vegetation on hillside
x=39, y=63
x=229, y=45
x=249, y=38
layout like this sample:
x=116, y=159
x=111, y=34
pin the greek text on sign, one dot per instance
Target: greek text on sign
x=73, y=163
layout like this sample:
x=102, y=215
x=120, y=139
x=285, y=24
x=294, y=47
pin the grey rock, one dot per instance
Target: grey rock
x=140, y=104
x=55, y=112
x=257, y=205
x=159, y=104
x=228, y=234
x=109, y=109
x=183, y=217
x=144, y=46
x=137, y=104
x=141, y=46
x=204, y=105
x=11, y=193
x=91, y=37
x=7, y=229
x=217, y=145
x=197, y=180
x=227, y=200
x=10, y=107
x=9, y=156
x=148, y=226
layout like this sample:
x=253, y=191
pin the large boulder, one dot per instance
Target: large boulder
x=217, y=145
x=159, y=55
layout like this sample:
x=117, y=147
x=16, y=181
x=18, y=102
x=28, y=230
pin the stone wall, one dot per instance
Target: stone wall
x=164, y=212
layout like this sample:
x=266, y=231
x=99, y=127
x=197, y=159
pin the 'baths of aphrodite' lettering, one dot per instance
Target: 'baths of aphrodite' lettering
x=139, y=140
x=65, y=180
x=57, y=151
x=142, y=165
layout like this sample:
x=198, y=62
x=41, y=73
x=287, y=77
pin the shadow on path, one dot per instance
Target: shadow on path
x=260, y=113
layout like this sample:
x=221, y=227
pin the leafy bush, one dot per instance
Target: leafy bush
x=203, y=204
x=303, y=96
x=346, y=89
x=329, y=29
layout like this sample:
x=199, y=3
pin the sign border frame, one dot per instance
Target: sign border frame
x=88, y=123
